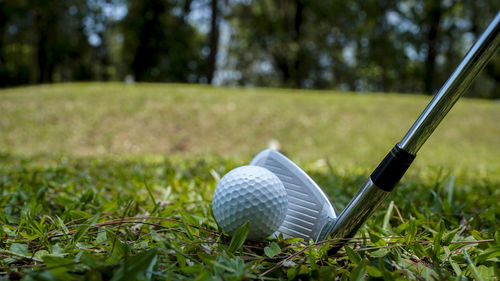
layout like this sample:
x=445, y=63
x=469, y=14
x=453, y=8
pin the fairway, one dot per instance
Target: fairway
x=104, y=181
x=347, y=129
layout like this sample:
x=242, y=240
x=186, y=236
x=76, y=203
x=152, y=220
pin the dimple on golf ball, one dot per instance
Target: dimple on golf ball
x=250, y=193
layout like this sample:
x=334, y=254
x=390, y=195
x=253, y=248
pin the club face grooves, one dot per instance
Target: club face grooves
x=309, y=209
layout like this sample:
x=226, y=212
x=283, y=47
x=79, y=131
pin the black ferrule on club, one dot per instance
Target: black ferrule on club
x=392, y=168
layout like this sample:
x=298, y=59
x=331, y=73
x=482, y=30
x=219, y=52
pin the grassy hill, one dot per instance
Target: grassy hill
x=348, y=129
x=114, y=182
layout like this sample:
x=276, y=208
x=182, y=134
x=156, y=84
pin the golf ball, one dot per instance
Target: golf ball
x=250, y=193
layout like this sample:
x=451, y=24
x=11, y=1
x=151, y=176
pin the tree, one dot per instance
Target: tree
x=270, y=40
x=213, y=40
x=374, y=45
x=361, y=45
x=45, y=41
x=160, y=45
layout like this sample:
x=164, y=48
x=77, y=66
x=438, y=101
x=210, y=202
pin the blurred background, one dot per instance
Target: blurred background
x=408, y=46
x=297, y=75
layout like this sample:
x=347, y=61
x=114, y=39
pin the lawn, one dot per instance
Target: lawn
x=114, y=181
x=345, y=128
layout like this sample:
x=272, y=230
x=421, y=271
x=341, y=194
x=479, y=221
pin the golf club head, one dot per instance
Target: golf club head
x=309, y=209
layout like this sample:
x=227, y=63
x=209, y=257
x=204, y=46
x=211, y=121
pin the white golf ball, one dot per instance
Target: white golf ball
x=250, y=193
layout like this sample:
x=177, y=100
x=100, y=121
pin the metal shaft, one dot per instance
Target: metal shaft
x=373, y=193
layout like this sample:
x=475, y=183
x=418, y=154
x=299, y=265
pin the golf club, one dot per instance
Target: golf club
x=312, y=216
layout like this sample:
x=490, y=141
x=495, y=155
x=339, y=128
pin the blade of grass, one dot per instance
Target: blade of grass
x=472, y=267
x=239, y=237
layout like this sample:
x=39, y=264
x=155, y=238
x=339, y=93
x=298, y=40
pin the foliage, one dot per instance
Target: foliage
x=380, y=45
x=146, y=218
x=377, y=45
x=45, y=41
x=160, y=46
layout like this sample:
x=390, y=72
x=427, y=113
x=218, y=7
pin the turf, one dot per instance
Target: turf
x=113, y=181
x=345, y=128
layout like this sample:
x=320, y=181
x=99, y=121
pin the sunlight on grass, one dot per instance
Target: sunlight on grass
x=345, y=128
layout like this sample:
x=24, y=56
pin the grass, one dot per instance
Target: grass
x=348, y=129
x=102, y=218
x=112, y=181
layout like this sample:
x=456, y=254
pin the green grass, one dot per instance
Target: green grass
x=347, y=129
x=113, y=181
x=93, y=218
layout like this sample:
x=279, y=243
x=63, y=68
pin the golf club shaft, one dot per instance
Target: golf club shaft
x=395, y=164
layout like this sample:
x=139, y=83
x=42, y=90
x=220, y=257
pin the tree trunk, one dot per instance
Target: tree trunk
x=213, y=42
x=3, y=25
x=41, y=52
x=45, y=22
x=186, y=10
x=434, y=20
x=298, y=21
